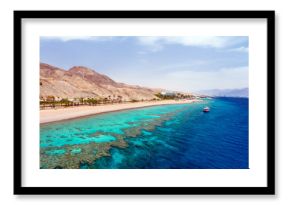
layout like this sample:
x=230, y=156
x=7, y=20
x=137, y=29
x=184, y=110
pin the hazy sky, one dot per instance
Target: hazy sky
x=181, y=63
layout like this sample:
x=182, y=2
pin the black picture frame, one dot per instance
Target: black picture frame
x=268, y=190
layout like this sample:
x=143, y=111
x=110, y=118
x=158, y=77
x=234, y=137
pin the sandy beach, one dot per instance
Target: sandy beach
x=53, y=115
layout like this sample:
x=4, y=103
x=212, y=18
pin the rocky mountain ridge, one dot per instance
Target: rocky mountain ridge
x=83, y=82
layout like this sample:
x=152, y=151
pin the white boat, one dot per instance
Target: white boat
x=206, y=109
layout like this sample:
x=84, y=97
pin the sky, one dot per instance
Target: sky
x=177, y=63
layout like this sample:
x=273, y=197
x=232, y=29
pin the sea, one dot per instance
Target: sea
x=179, y=136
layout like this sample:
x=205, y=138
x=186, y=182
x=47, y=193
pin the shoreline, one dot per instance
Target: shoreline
x=63, y=114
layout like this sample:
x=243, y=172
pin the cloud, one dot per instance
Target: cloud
x=74, y=38
x=242, y=49
x=156, y=43
x=153, y=42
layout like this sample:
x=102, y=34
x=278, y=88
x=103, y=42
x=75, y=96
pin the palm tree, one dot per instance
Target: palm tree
x=119, y=98
x=51, y=99
x=82, y=101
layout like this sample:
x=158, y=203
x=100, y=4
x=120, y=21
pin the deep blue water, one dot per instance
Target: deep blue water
x=161, y=137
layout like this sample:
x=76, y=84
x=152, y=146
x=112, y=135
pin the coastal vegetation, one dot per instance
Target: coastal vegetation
x=173, y=96
x=55, y=102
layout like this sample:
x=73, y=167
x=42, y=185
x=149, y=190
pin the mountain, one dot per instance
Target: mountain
x=244, y=92
x=80, y=81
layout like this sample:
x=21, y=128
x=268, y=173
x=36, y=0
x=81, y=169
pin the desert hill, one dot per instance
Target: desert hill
x=82, y=82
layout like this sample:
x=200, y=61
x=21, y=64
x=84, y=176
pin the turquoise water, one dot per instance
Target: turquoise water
x=169, y=136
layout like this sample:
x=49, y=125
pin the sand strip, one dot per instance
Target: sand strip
x=53, y=115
